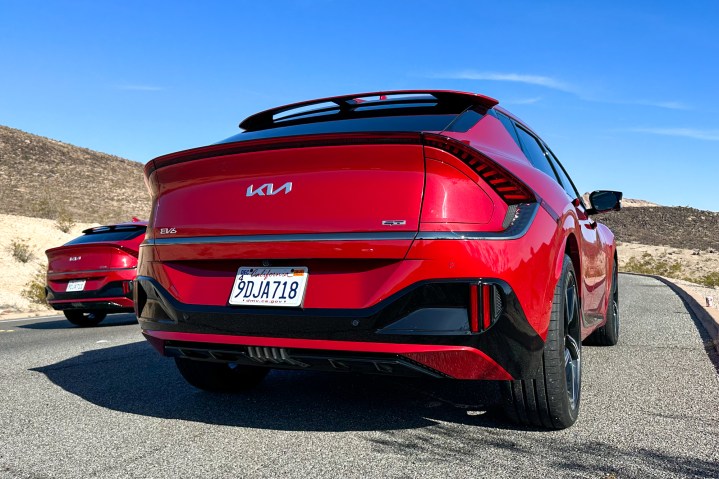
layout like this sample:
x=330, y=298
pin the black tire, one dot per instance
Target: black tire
x=608, y=335
x=220, y=377
x=552, y=400
x=78, y=318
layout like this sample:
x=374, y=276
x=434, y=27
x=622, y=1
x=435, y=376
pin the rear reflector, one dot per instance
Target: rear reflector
x=507, y=186
x=485, y=306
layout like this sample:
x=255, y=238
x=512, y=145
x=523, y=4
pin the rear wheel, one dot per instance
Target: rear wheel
x=220, y=377
x=552, y=400
x=608, y=335
x=78, y=318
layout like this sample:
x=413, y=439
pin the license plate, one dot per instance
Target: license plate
x=75, y=285
x=275, y=286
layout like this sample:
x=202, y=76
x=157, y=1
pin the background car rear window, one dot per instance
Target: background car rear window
x=122, y=234
x=395, y=123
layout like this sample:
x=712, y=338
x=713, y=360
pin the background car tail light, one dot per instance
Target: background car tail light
x=485, y=306
x=507, y=186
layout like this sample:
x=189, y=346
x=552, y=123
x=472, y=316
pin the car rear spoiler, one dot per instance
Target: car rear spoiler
x=399, y=98
x=122, y=226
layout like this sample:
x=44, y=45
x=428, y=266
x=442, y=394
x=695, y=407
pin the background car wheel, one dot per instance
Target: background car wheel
x=608, y=335
x=220, y=377
x=552, y=400
x=78, y=318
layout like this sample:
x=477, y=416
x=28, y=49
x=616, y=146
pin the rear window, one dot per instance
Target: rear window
x=106, y=234
x=391, y=122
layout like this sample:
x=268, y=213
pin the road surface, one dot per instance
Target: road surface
x=100, y=402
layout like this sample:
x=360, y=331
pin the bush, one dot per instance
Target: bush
x=21, y=250
x=65, y=222
x=711, y=280
x=647, y=264
x=35, y=288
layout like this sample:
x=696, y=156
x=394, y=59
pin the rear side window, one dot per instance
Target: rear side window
x=509, y=126
x=565, y=181
x=99, y=235
x=535, y=153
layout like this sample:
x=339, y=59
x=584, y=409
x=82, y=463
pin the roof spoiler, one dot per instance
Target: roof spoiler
x=267, y=118
x=135, y=225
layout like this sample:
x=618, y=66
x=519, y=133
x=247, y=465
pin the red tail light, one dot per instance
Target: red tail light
x=507, y=186
x=474, y=308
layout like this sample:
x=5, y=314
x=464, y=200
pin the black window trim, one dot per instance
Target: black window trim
x=571, y=181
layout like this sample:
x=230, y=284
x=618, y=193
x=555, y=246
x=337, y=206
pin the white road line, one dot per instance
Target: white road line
x=3, y=321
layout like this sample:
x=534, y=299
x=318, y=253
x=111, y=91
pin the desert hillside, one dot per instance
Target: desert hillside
x=671, y=226
x=45, y=178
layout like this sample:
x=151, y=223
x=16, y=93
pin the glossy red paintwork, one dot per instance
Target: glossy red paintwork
x=335, y=189
x=353, y=188
x=99, y=264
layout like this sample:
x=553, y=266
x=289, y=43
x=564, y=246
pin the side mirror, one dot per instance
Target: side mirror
x=602, y=201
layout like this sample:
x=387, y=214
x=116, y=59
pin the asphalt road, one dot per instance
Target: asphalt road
x=100, y=403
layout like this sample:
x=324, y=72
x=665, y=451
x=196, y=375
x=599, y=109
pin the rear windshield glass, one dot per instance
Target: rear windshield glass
x=393, y=123
x=109, y=235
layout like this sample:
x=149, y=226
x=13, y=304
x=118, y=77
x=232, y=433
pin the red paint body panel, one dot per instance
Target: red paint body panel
x=208, y=214
x=349, y=189
x=356, y=284
x=104, y=265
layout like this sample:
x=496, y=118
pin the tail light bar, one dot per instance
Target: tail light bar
x=506, y=185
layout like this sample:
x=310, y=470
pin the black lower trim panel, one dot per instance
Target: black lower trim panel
x=510, y=341
x=303, y=359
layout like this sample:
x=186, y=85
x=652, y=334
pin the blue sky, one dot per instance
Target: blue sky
x=625, y=93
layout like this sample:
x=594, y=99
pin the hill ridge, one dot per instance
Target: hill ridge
x=47, y=178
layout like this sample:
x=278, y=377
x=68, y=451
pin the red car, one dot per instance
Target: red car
x=92, y=275
x=424, y=233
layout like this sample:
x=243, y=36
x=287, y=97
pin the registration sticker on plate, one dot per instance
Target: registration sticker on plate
x=269, y=286
x=75, y=285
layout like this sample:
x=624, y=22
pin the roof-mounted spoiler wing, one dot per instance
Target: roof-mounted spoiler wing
x=267, y=118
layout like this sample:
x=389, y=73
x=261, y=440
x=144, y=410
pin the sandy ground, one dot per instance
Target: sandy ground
x=39, y=234
x=695, y=264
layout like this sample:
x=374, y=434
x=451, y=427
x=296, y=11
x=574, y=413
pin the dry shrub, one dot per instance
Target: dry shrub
x=64, y=222
x=35, y=288
x=21, y=250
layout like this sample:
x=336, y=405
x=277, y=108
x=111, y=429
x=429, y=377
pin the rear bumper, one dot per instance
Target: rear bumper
x=391, y=337
x=455, y=362
x=115, y=296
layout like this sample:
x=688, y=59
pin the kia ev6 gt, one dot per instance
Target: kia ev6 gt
x=92, y=275
x=420, y=233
